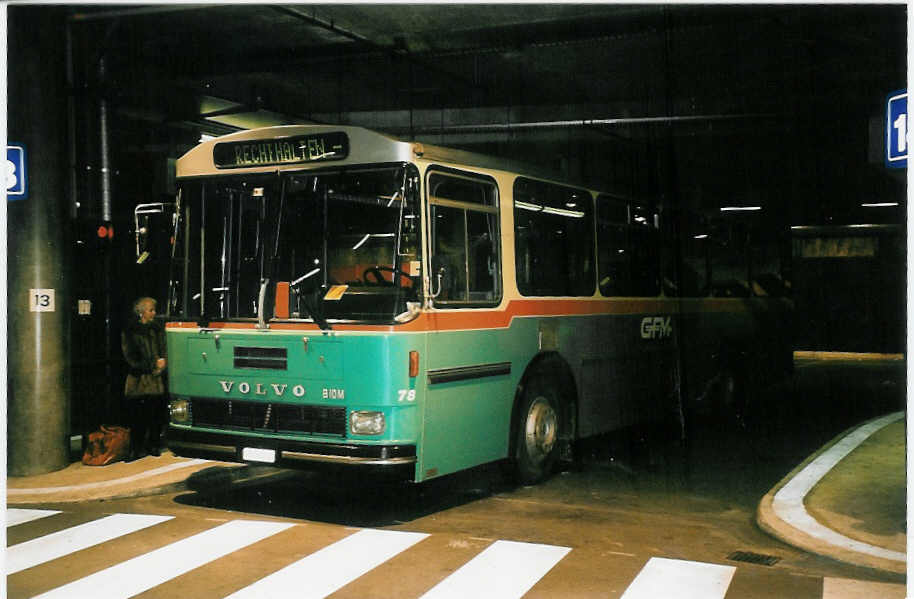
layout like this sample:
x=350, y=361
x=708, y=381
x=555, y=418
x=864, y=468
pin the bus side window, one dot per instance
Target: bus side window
x=729, y=260
x=465, y=235
x=553, y=239
x=614, y=262
x=695, y=247
x=449, y=252
x=645, y=248
x=629, y=249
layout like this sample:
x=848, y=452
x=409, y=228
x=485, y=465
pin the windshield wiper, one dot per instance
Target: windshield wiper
x=311, y=302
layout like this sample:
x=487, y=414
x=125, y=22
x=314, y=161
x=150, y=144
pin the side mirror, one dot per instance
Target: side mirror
x=141, y=225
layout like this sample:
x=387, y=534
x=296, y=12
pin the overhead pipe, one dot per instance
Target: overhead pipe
x=104, y=149
x=71, y=124
x=82, y=17
x=571, y=123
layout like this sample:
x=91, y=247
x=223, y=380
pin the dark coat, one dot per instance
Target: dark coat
x=142, y=345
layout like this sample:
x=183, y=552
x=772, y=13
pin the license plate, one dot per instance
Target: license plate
x=255, y=454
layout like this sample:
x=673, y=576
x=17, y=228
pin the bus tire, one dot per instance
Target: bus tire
x=539, y=430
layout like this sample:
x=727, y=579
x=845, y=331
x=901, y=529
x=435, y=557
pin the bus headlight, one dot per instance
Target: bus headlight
x=363, y=422
x=180, y=411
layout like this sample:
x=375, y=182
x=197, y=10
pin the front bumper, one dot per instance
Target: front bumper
x=289, y=454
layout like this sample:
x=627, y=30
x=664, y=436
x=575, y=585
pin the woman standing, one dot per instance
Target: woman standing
x=143, y=344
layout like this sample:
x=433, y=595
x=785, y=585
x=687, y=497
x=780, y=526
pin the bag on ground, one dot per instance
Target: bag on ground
x=107, y=445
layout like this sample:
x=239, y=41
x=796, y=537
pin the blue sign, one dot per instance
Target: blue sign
x=16, y=178
x=896, y=130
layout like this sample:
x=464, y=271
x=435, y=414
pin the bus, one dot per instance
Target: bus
x=340, y=296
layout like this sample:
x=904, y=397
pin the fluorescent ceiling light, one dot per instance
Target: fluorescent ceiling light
x=549, y=210
x=739, y=208
x=880, y=205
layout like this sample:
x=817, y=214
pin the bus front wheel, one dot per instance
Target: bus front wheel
x=538, y=431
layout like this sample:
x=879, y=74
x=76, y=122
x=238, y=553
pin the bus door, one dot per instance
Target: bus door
x=468, y=371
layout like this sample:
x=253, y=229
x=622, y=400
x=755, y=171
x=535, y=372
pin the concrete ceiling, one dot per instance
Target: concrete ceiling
x=638, y=83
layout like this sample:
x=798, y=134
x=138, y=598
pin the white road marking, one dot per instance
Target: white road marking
x=16, y=516
x=788, y=501
x=156, y=567
x=506, y=569
x=845, y=588
x=677, y=579
x=333, y=567
x=106, y=483
x=58, y=544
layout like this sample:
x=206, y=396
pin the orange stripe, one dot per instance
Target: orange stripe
x=495, y=319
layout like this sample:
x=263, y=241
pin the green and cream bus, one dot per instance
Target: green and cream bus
x=341, y=296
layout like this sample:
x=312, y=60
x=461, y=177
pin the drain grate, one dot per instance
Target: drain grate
x=754, y=558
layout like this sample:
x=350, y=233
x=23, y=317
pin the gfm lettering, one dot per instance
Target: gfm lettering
x=656, y=327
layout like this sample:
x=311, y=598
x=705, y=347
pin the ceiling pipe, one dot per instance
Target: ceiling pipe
x=71, y=124
x=313, y=19
x=104, y=149
x=582, y=123
x=82, y=17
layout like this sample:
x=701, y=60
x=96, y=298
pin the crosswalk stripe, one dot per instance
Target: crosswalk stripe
x=844, y=588
x=333, y=567
x=505, y=569
x=16, y=516
x=151, y=569
x=49, y=547
x=663, y=578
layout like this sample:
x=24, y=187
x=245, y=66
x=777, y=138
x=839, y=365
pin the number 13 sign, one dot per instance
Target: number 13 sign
x=41, y=300
x=896, y=130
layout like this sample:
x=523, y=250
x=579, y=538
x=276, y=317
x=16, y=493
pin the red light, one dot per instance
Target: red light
x=102, y=231
x=413, y=364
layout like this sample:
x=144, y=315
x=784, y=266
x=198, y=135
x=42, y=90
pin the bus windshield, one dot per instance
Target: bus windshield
x=344, y=242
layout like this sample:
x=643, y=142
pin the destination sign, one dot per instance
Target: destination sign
x=288, y=150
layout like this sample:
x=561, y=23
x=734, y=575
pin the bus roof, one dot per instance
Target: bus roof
x=363, y=146
x=366, y=147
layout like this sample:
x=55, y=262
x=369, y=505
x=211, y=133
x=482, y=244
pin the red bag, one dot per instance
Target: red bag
x=108, y=445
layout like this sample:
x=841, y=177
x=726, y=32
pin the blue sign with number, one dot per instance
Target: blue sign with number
x=16, y=179
x=896, y=130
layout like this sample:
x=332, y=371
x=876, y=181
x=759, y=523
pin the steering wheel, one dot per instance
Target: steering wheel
x=375, y=272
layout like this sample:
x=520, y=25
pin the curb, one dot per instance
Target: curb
x=208, y=475
x=785, y=502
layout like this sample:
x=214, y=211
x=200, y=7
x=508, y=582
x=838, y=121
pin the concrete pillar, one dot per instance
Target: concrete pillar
x=38, y=402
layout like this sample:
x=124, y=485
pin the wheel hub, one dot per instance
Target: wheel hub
x=540, y=430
